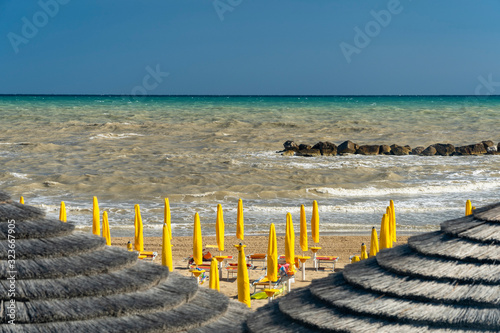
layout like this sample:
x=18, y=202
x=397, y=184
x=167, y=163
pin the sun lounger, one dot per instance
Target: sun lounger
x=232, y=269
x=148, y=255
x=259, y=257
x=326, y=260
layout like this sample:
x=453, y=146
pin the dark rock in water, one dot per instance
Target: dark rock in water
x=288, y=153
x=385, y=149
x=498, y=147
x=429, y=151
x=444, y=149
x=488, y=143
x=304, y=146
x=417, y=150
x=398, y=150
x=463, y=150
x=308, y=152
x=368, y=150
x=476, y=149
x=290, y=145
x=346, y=147
x=326, y=148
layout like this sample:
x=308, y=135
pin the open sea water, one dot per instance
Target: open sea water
x=202, y=151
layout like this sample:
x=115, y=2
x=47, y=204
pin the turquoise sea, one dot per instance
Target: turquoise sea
x=202, y=151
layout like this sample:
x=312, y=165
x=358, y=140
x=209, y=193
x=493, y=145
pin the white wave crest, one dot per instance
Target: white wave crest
x=425, y=189
x=112, y=136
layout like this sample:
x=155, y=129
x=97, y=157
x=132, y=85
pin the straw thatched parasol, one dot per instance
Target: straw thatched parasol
x=445, y=281
x=69, y=281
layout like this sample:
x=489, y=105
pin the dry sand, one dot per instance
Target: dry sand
x=341, y=246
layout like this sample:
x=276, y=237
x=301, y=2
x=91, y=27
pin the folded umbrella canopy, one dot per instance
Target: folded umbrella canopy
x=303, y=229
x=105, y=228
x=214, y=275
x=219, y=228
x=96, y=223
x=240, y=231
x=197, y=241
x=166, y=250
x=139, y=237
x=242, y=278
x=374, y=243
x=166, y=218
x=272, y=255
x=315, y=223
x=62, y=213
x=290, y=243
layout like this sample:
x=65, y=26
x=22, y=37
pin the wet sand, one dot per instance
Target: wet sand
x=341, y=246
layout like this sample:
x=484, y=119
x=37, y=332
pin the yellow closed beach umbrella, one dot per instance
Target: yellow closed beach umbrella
x=166, y=249
x=393, y=220
x=62, y=213
x=468, y=208
x=290, y=243
x=219, y=228
x=139, y=239
x=197, y=241
x=242, y=278
x=214, y=275
x=272, y=255
x=96, y=223
x=364, y=255
x=240, y=230
x=105, y=228
x=315, y=223
x=384, y=233
x=374, y=243
x=21, y=200
x=166, y=217
x=303, y=229
x=388, y=211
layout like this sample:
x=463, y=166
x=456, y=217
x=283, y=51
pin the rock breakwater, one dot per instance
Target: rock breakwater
x=326, y=148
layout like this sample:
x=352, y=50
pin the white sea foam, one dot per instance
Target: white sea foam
x=409, y=190
x=112, y=136
x=19, y=175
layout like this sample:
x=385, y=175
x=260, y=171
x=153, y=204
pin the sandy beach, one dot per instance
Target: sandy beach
x=341, y=246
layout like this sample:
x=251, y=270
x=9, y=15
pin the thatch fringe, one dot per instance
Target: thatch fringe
x=141, y=276
x=207, y=307
x=403, y=261
x=76, y=243
x=371, y=277
x=107, y=260
x=490, y=215
x=37, y=228
x=337, y=293
x=4, y=197
x=173, y=292
x=454, y=227
x=270, y=319
x=304, y=308
x=231, y=321
x=441, y=245
x=19, y=212
x=70, y=281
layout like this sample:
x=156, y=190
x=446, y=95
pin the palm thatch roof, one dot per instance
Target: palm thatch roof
x=445, y=281
x=69, y=281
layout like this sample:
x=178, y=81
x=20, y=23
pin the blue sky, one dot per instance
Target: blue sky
x=323, y=47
